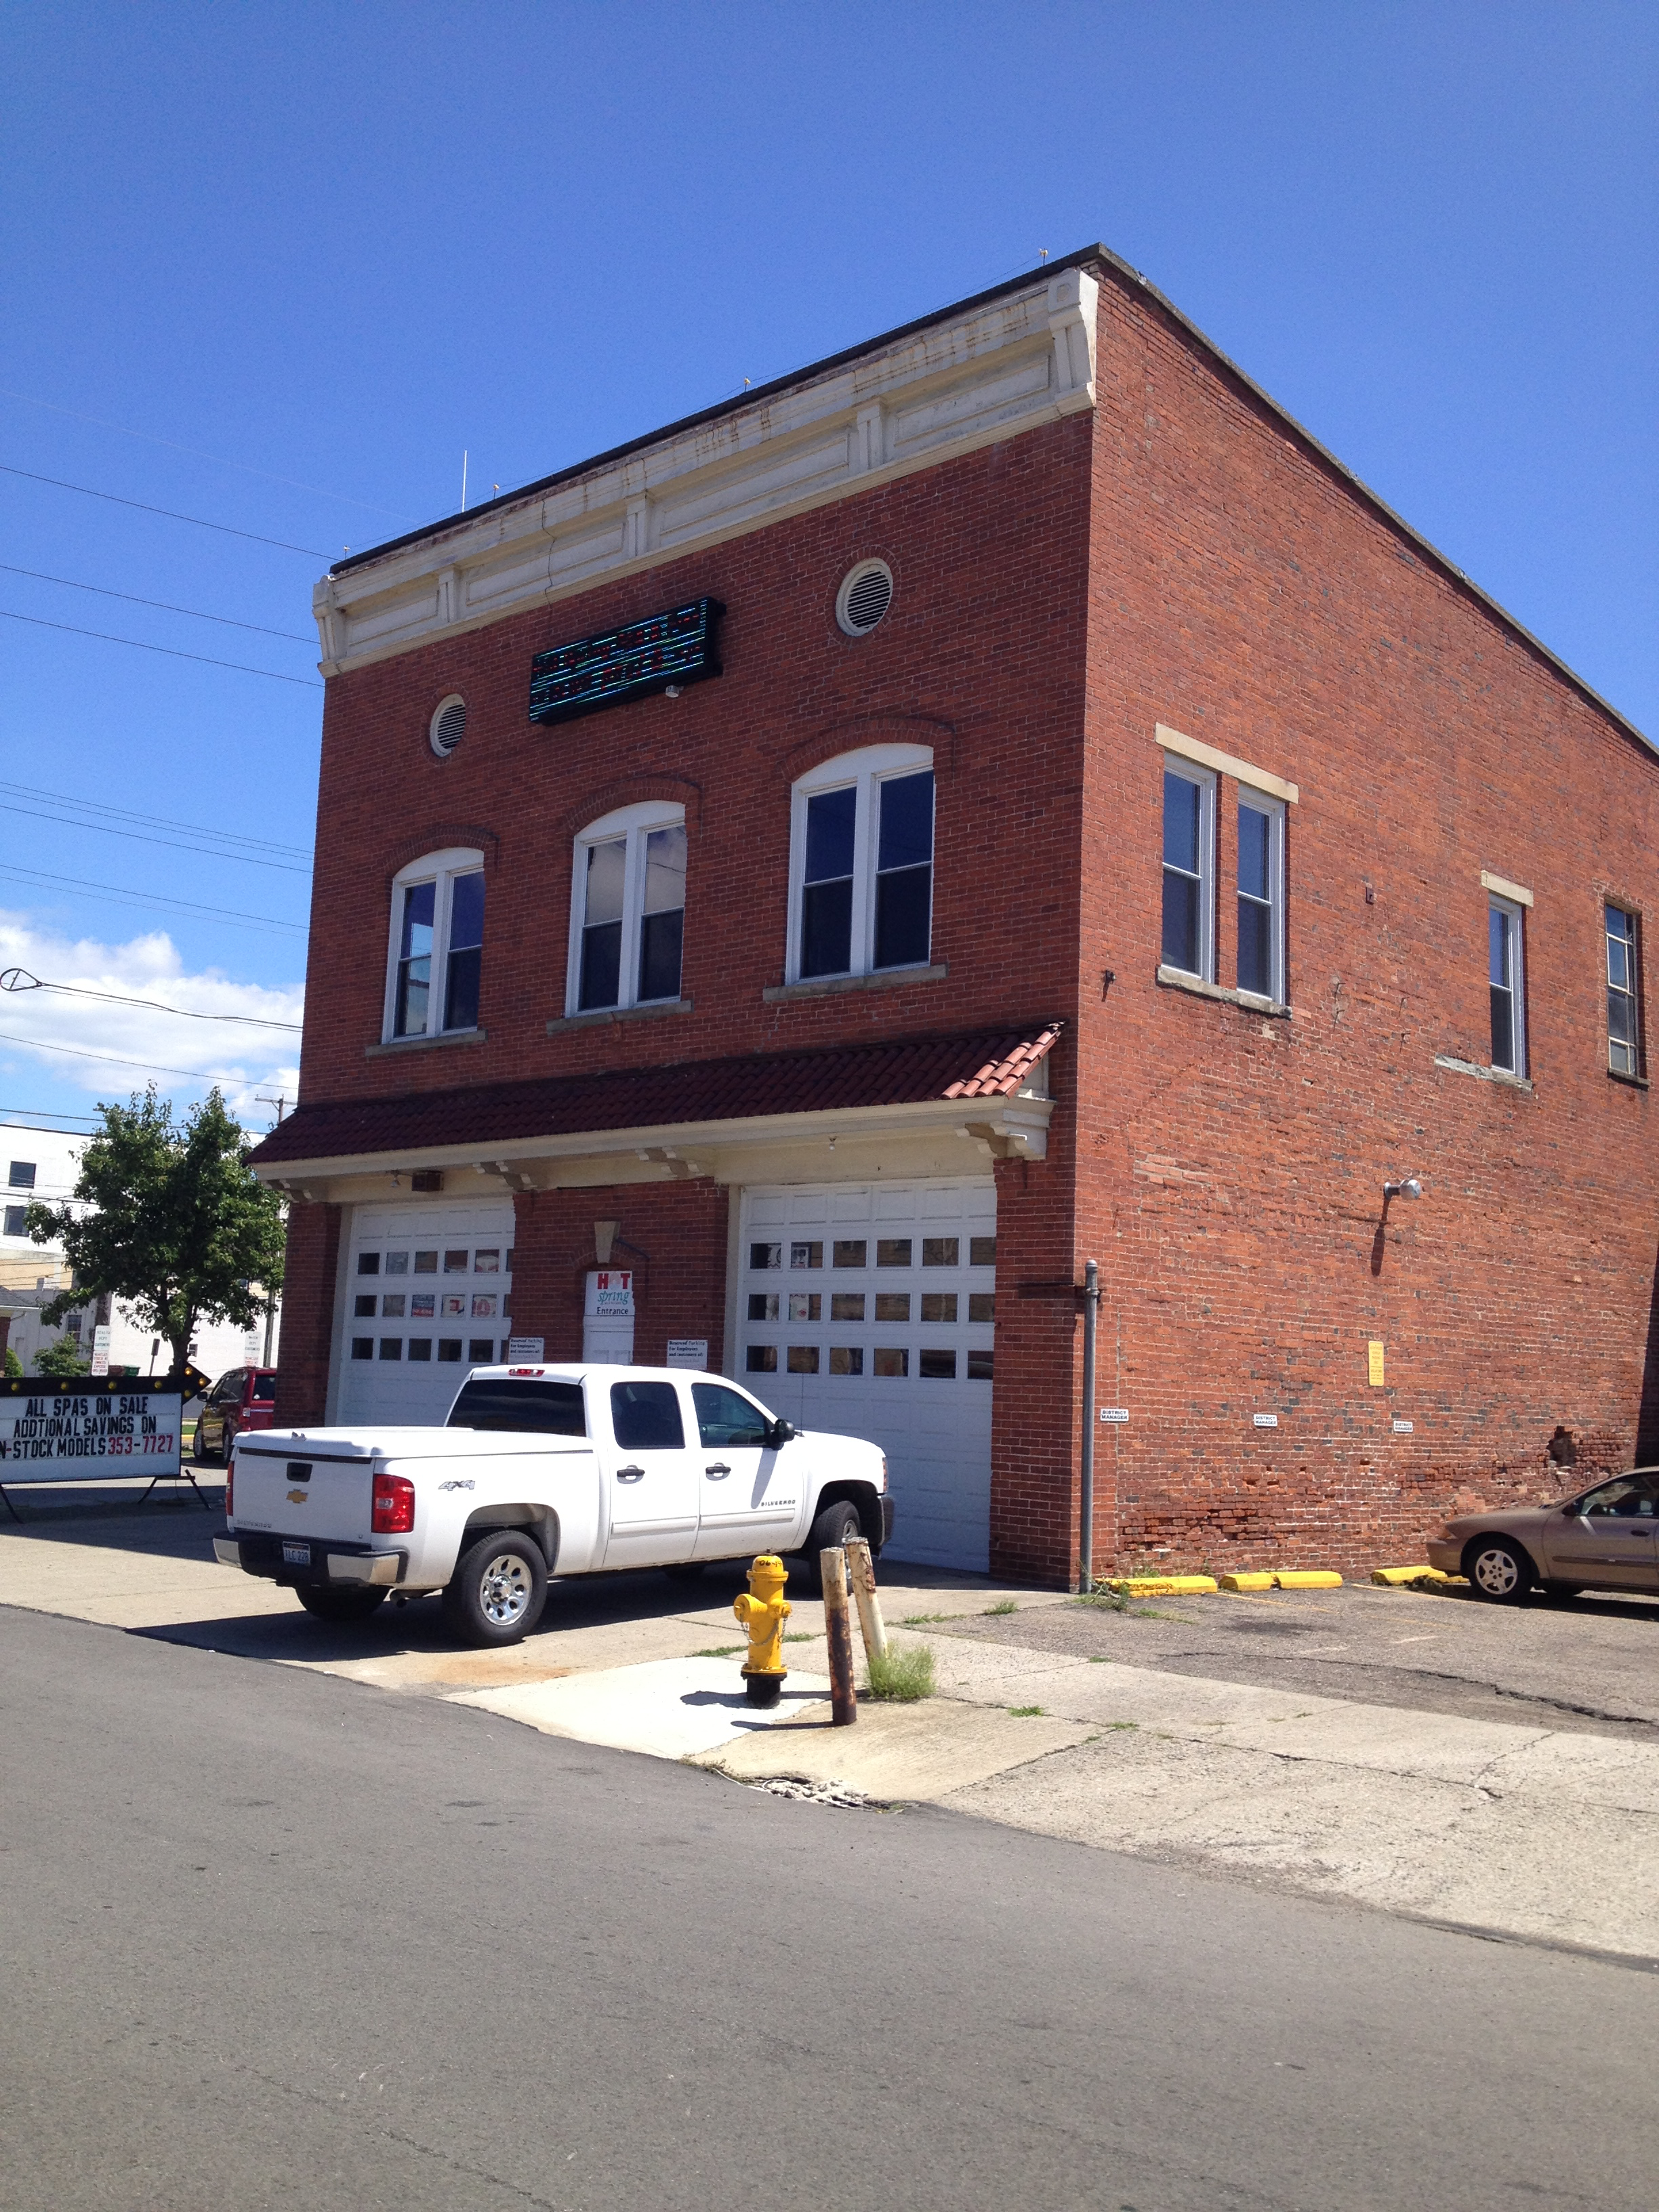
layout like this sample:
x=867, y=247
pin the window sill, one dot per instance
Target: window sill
x=1177, y=979
x=1630, y=1082
x=600, y=1016
x=424, y=1044
x=829, y=986
x=1483, y=1074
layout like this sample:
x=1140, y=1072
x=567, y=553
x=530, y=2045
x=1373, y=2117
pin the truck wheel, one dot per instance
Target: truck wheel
x=497, y=1591
x=832, y=1531
x=340, y=1600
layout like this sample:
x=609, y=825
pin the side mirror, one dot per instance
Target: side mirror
x=780, y=1433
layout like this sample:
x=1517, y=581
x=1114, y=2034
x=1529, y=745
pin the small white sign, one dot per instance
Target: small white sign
x=1115, y=1412
x=610, y=1294
x=521, y=1348
x=1402, y=1428
x=100, y=1349
x=1266, y=1421
x=688, y=1351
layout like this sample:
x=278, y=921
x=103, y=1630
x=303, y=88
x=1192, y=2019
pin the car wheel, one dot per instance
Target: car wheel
x=497, y=1591
x=1497, y=1569
x=197, y=1451
x=339, y=1600
x=832, y=1531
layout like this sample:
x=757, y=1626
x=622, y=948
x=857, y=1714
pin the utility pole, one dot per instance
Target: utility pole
x=280, y=1102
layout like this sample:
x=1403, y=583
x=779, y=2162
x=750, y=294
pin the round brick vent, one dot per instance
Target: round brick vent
x=866, y=594
x=448, y=726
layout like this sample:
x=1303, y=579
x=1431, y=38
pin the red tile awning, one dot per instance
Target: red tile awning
x=910, y=1071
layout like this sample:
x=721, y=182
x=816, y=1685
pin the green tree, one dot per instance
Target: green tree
x=62, y=1358
x=167, y=1216
x=13, y=1364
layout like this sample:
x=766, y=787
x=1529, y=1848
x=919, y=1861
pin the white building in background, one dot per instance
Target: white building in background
x=44, y=1165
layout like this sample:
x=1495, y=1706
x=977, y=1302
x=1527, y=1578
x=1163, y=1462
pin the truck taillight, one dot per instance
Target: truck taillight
x=394, y=1505
x=230, y=1486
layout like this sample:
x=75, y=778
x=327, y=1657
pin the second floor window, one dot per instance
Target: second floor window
x=862, y=865
x=437, y=946
x=1260, y=896
x=1189, y=942
x=1623, y=1031
x=628, y=910
x=1506, y=965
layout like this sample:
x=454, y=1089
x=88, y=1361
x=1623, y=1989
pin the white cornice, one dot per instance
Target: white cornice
x=1012, y=365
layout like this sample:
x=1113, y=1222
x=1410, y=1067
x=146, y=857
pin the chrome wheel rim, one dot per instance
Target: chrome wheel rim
x=504, y=1589
x=1497, y=1573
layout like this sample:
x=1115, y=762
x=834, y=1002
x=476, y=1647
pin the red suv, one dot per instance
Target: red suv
x=244, y=1399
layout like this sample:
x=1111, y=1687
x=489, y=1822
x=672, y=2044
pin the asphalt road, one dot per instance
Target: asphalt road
x=274, y=1939
x=1583, y=1665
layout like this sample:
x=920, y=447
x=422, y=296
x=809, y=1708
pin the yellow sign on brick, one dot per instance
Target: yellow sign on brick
x=1374, y=1350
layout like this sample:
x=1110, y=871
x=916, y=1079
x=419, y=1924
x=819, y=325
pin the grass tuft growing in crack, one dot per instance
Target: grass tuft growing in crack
x=901, y=1674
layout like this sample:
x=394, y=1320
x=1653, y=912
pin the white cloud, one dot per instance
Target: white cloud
x=54, y=1029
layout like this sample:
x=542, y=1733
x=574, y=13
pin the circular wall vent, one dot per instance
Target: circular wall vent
x=448, y=726
x=866, y=594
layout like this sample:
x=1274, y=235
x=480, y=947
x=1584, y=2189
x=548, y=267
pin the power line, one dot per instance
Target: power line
x=308, y=683
x=155, y=821
x=142, y=899
x=109, y=1060
x=167, y=606
x=49, y=1113
x=144, y=507
x=197, y=453
x=22, y=979
x=139, y=837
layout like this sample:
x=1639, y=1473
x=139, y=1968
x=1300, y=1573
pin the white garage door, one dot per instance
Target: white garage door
x=867, y=1310
x=428, y=1290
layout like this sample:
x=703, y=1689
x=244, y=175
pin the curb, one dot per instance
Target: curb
x=1164, y=1586
x=1241, y=1583
x=1308, y=1578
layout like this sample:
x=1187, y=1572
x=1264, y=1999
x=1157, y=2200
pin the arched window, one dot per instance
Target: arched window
x=433, y=970
x=628, y=910
x=862, y=864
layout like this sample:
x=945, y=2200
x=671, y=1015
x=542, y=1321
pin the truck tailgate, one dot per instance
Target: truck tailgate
x=292, y=1493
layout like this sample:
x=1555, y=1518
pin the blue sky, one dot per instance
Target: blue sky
x=276, y=267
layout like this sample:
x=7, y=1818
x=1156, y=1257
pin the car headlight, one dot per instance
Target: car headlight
x=1441, y=1533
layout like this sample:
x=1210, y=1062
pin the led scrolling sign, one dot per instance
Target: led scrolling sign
x=593, y=672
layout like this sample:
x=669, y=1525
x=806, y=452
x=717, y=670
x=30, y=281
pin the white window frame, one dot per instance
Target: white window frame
x=441, y=869
x=1631, y=989
x=635, y=823
x=1518, y=981
x=1189, y=772
x=1258, y=802
x=862, y=771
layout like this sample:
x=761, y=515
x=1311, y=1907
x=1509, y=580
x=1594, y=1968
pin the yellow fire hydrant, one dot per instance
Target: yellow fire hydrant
x=762, y=1609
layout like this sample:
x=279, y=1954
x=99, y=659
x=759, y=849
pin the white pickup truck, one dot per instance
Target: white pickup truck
x=541, y=1471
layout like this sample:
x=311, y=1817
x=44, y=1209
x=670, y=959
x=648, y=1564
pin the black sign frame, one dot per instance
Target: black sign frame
x=631, y=662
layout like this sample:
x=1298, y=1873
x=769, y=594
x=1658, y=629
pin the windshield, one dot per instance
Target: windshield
x=539, y=1408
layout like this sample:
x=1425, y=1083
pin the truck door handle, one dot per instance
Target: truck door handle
x=719, y=1472
x=630, y=1475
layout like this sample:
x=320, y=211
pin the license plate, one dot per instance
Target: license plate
x=296, y=1555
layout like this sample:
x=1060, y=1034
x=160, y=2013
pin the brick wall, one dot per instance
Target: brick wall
x=672, y=1235
x=1232, y=1170
x=313, y=1265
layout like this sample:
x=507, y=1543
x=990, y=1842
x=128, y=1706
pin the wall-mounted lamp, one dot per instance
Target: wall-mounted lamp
x=1411, y=1187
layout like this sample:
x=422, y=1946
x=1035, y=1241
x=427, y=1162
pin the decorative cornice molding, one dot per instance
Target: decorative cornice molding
x=1012, y=364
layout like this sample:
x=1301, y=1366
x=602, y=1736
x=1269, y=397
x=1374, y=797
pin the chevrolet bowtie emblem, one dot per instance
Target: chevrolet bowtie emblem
x=298, y=1496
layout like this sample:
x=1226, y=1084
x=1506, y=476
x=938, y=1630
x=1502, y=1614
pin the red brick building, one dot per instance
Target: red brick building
x=1000, y=798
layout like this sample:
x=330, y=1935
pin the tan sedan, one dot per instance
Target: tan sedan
x=1604, y=1538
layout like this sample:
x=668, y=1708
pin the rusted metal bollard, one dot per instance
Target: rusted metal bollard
x=838, y=1633
x=861, y=1572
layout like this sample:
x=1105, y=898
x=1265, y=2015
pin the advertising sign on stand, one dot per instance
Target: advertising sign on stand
x=89, y=1427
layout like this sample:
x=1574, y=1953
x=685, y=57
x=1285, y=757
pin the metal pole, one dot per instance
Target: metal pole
x=1086, y=1534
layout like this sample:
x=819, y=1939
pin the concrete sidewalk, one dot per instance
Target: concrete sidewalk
x=1520, y=1826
